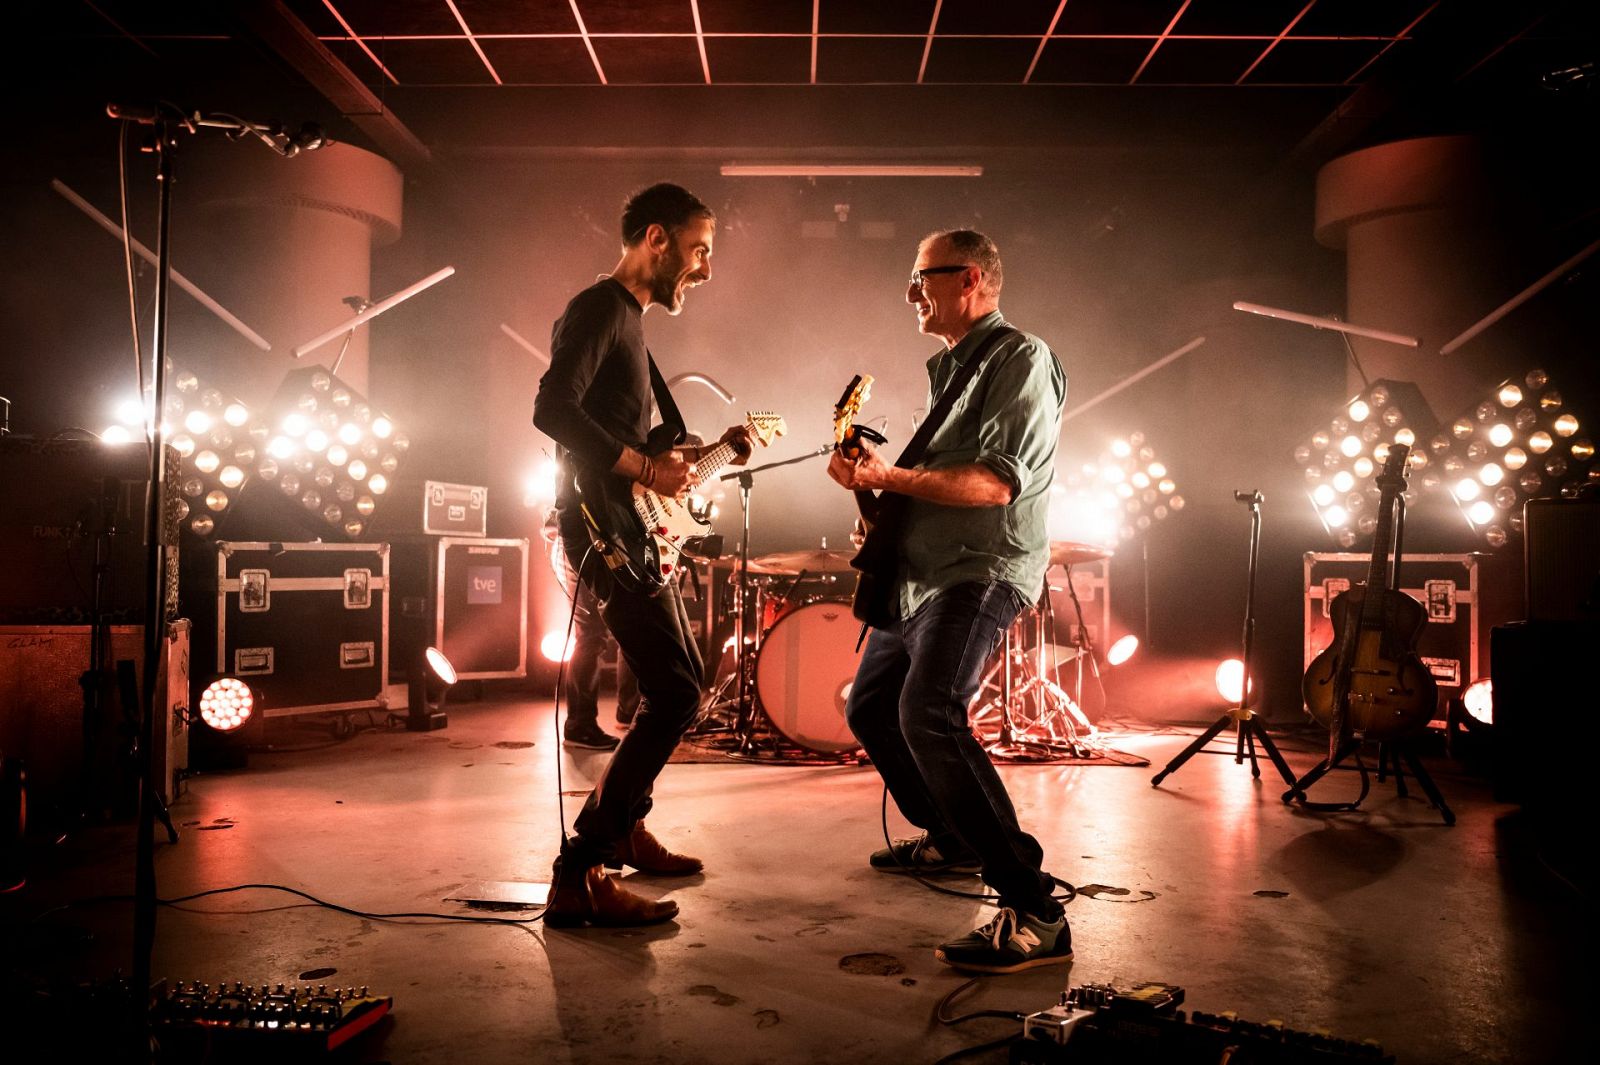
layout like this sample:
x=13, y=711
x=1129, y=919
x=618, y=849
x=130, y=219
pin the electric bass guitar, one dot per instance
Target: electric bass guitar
x=1370, y=680
x=877, y=562
x=638, y=532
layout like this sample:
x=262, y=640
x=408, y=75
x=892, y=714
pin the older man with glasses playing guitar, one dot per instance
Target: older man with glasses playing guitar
x=956, y=548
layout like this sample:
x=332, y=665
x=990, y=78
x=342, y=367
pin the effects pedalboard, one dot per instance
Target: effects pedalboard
x=285, y=1022
x=1099, y=1024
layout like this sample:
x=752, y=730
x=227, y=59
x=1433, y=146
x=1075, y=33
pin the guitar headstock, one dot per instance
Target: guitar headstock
x=1392, y=479
x=765, y=425
x=857, y=392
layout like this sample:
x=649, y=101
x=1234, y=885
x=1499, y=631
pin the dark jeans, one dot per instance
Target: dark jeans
x=908, y=707
x=658, y=646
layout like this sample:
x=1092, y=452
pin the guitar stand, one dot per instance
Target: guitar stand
x=1250, y=730
x=1390, y=756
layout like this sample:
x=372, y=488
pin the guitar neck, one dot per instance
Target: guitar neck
x=713, y=459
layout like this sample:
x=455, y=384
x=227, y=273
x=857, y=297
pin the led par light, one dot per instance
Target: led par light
x=1115, y=498
x=1521, y=443
x=328, y=452
x=218, y=442
x=1341, y=460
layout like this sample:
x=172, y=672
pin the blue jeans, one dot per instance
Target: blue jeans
x=908, y=707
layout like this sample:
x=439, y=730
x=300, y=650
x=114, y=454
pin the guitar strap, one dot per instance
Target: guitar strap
x=874, y=585
x=671, y=420
x=918, y=446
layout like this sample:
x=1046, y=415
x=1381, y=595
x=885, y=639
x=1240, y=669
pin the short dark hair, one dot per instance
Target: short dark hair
x=665, y=204
x=976, y=249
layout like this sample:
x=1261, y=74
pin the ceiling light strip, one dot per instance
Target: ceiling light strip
x=816, y=19
x=700, y=40
x=583, y=31
x=451, y=4
x=1402, y=35
x=850, y=170
x=1159, y=42
x=1251, y=68
x=1044, y=41
x=927, y=45
x=361, y=44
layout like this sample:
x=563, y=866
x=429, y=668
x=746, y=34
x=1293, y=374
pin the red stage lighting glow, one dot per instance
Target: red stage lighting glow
x=1479, y=700
x=1230, y=680
x=551, y=648
x=1122, y=650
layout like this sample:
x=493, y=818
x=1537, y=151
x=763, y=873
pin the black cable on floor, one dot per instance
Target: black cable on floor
x=463, y=918
x=1069, y=892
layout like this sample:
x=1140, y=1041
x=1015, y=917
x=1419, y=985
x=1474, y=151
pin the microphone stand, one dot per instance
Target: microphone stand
x=743, y=726
x=163, y=144
x=1250, y=729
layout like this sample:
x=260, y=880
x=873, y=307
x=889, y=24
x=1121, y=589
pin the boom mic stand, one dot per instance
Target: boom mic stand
x=1250, y=731
x=163, y=144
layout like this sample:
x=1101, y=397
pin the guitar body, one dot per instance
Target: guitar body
x=1386, y=690
x=639, y=533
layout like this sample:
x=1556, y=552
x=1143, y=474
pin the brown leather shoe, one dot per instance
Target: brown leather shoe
x=592, y=897
x=644, y=852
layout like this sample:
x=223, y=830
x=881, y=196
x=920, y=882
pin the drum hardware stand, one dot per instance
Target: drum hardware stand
x=744, y=723
x=1085, y=645
x=1014, y=744
x=1249, y=729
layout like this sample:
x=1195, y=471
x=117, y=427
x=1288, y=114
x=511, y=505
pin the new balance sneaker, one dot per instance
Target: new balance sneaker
x=589, y=736
x=919, y=855
x=1010, y=943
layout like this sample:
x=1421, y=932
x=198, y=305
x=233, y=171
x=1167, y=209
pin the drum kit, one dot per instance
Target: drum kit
x=787, y=657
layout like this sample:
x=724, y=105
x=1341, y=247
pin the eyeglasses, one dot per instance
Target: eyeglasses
x=920, y=277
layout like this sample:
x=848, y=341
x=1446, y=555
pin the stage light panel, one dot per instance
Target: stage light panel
x=1341, y=459
x=216, y=440
x=1520, y=444
x=1124, y=492
x=332, y=453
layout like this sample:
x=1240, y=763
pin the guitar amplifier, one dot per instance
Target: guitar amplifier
x=1464, y=595
x=305, y=625
x=65, y=501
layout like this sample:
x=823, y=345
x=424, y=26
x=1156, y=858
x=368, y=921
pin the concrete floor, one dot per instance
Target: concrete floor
x=1445, y=944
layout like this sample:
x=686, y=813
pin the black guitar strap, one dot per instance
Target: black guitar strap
x=671, y=419
x=918, y=445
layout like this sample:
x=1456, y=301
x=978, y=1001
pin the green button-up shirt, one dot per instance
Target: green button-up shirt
x=1009, y=419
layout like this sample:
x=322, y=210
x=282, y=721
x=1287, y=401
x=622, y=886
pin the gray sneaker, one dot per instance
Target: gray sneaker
x=920, y=856
x=1010, y=943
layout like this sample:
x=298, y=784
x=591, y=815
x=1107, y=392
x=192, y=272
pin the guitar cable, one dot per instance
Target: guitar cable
x=561, y=677
x=1067, y=894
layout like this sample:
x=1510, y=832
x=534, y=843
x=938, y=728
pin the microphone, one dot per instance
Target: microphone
x=1253, y=497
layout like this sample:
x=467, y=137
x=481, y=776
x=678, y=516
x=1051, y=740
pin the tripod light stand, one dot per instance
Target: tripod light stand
x=1249, y=730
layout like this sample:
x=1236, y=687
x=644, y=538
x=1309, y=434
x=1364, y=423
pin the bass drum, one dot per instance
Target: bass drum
x=804, y=671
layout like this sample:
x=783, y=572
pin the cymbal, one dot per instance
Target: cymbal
x=1072, y=553
x=759, y=566
x=816, y=560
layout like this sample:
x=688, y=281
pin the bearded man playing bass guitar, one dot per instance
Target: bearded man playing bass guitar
x=969, y=552
x=594, y=402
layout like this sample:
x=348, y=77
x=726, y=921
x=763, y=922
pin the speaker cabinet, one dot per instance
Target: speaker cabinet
x=1561, y=539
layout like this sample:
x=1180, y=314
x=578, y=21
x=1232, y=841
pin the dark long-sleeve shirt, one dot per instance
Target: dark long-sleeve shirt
x=595, y=398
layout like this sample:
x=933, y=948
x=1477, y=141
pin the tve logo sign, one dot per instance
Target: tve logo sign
x=484, y=585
